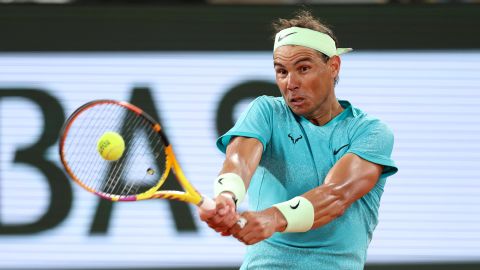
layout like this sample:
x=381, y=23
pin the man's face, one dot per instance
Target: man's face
x=305, y=80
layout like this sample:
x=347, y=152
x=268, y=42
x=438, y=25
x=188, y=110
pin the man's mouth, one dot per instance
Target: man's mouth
x=297, y=101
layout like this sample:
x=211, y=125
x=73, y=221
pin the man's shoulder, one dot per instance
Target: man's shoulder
x=270, y=103
x=271, y=100
x=363, y=121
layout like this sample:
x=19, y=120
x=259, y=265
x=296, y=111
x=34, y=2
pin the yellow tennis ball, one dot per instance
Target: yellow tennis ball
x=111, y=146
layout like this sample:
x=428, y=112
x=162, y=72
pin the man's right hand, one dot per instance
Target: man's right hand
x=224, y=216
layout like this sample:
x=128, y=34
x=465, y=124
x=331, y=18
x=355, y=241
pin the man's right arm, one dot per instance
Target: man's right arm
x=242, y=158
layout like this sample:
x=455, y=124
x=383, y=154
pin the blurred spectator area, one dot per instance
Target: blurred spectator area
x=238, y=2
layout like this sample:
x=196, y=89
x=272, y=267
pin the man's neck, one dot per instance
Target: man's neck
x=326, y=115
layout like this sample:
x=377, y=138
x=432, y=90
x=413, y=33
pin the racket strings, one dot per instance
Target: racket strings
x=117, y=170
x=144, y=183
x=132, y=173
x=113, y=185
x=79, y=136
x=138, y=147
x=134, y=188
x=96, y=169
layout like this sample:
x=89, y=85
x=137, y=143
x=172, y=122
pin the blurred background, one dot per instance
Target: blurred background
x=194, y=66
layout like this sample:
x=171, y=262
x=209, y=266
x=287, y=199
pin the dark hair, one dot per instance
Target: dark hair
x=305, y=19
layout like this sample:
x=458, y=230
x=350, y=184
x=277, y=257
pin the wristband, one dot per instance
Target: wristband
x=230, y=182
x=298, y=212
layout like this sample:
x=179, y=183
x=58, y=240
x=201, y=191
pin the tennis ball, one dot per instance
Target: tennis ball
x=111, y=146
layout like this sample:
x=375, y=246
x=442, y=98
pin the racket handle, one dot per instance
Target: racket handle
x=208, y=204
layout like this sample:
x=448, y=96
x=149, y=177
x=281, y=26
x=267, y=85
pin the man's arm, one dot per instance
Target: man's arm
x=242, y=158
x=350, y=178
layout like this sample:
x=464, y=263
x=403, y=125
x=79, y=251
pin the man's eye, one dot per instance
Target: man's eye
x=304, y=68
x=281, y=71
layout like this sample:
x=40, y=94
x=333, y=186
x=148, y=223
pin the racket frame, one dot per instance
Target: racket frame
x=190, y=194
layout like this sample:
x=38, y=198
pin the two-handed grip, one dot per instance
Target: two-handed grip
x=208, y=204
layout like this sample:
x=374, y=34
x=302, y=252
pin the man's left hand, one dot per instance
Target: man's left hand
x=259, y=225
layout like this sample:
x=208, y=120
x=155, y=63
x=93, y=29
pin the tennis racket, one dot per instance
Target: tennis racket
x=142, y=169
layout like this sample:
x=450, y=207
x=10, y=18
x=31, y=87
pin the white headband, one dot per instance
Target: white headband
x=308, y=38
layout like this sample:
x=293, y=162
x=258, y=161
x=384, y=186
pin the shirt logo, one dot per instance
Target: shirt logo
x=335, y=152
x=294, y=140
x=284, y=36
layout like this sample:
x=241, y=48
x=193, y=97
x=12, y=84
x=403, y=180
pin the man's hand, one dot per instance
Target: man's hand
x=260, y=225
x=224, y=217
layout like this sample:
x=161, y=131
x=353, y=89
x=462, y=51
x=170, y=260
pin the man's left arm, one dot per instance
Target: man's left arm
x=349, y=179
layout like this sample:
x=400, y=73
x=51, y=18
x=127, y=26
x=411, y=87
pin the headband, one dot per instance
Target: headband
x=308, y=38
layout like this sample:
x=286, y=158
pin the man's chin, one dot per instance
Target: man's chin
x=300, y=111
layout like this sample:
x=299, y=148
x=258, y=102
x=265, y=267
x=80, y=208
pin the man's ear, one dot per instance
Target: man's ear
x=334, y=64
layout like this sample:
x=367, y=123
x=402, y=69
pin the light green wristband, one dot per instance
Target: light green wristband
x=298, y=212
x=230, y=182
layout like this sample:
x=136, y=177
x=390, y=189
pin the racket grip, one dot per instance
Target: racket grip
x=208, y=204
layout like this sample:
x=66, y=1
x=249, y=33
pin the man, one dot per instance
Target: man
x=314, y=166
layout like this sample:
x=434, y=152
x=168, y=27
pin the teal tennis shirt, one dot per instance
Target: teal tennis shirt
x=297, y=155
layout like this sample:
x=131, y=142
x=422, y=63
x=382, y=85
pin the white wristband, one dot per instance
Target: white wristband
x=299, y=214
x=231, y=182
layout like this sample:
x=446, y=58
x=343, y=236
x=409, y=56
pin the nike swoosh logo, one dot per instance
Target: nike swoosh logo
x=220, y=181
x=284, y=36
x=335, y=152
x=296, y=206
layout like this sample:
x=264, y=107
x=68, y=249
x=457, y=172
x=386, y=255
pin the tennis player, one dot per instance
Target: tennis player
x=314, y=166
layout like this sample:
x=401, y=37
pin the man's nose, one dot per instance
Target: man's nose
x=293, y=82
